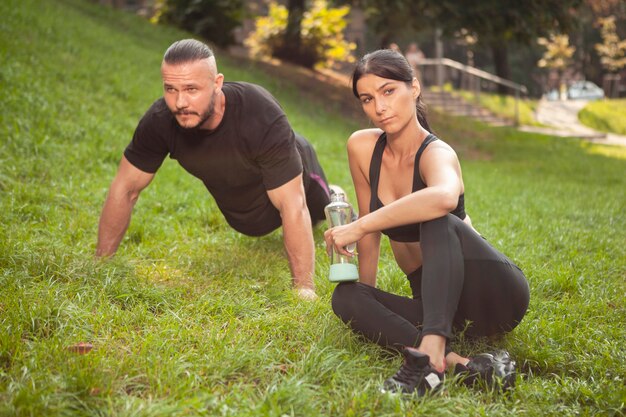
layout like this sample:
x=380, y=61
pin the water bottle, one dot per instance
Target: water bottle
x=338, y=213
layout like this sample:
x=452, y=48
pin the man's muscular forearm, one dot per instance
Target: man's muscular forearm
x=117, y=209
x=290, y=201
x=114, y=221
x=298, y=239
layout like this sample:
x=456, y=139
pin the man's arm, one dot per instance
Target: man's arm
x=122, y=196
x=290, y=201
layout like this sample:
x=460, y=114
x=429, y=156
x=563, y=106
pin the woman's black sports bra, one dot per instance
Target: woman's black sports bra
x=409, y=232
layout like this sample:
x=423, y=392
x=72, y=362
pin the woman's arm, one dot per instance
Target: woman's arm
x=360, y=147
x=441, y=172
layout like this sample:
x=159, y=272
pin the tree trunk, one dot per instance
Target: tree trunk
x=291, y=50
x=294, y=23
x=500, y=56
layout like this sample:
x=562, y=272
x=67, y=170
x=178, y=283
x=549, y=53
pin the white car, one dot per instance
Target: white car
x=584, y=90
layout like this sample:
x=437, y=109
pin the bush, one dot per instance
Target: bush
x=213, y=20
x=321, y=32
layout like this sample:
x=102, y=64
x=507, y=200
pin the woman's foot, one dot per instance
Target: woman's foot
x=416, y=374
x=435, y=347
x=453, y=358
x=495, y=369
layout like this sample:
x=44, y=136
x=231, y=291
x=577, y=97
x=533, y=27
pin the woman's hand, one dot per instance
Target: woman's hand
x=343, y=238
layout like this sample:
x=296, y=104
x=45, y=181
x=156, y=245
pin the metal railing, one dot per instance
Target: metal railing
x=470, y=79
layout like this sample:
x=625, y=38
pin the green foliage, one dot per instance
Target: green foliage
x=605, y=116
x=192, y=318
x=491, y=20
x=269, y=31
x=321, y=33
x=612, y=50
x=389, y=18
x=558, y=53
x=213, y=20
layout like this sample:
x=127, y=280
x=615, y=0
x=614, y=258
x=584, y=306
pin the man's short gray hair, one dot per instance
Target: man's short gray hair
x=186, y=50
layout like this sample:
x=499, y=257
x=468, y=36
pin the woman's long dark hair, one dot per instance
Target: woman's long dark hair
x=386, y=63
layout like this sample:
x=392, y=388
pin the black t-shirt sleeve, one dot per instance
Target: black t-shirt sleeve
x=147, y=149
x=278, y=157
x=269, y=138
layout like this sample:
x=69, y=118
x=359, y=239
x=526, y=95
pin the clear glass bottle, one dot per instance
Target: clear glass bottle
x=338, y=213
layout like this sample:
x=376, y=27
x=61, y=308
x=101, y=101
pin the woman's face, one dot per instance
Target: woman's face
x=390, y=104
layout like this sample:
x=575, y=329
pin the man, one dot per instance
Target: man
x=234, y=137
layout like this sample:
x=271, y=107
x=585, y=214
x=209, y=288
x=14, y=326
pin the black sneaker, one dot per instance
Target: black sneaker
x=415, y=375
x=495, y=369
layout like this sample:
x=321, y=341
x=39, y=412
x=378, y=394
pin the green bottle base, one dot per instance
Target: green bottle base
x=343, y=272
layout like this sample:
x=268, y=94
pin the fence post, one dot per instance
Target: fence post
x=516, y=107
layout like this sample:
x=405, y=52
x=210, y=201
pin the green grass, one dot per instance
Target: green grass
x=191, y=318
x=605, y=115
x=504, y=106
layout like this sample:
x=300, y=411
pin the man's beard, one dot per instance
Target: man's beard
x=210, y=111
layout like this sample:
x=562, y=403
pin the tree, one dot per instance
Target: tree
x=612, y=50
x=291, y=47
x=321, y=40
x=587, y=34
x=497, y=23
x=557, y=56
x=612, y=53
x=605, y=8
x=214, y=20
x=388, y=18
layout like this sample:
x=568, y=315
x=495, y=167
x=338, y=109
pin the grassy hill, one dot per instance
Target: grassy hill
x=607, y=115
x=191, y=318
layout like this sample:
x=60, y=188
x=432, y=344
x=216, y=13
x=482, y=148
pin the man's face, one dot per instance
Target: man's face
x=190, y=90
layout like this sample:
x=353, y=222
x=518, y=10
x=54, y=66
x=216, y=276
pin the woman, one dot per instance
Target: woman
x=409, y=187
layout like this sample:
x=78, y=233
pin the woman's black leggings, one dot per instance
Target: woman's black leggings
x=463, y=282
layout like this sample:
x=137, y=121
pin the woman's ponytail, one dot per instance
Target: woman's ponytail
x=421, y=113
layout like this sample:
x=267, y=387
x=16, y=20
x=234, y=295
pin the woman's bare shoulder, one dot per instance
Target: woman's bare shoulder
x=363, y=141
x=439, y=147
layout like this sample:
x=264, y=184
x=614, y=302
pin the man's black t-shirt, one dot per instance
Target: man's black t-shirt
x=252, y=150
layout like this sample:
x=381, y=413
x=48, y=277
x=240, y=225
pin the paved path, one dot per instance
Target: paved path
x=561, y=119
